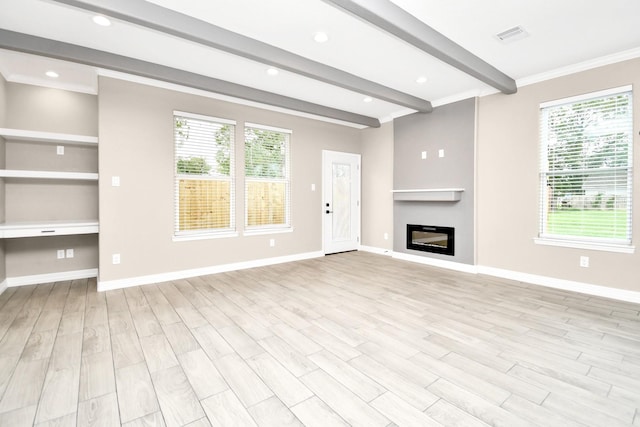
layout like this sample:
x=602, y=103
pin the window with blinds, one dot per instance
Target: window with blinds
x=267, y=177
x=204, y=164
x=586, y=168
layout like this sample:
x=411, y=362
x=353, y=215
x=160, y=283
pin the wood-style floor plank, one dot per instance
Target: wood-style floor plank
x=136, y=395
x=350, y=339
x=178, y=402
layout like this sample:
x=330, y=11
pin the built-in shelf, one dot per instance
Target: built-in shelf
x=83, y=176
x=9, y=230
x=428, y=195
x=60, y=138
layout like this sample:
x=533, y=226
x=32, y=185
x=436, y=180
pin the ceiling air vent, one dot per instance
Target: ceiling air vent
x=512, y=34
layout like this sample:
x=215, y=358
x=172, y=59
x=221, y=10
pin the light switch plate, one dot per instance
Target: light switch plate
x=60, y=150
x=115, y=181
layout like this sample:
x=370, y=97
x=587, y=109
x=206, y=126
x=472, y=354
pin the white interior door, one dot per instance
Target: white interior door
x=341, y=201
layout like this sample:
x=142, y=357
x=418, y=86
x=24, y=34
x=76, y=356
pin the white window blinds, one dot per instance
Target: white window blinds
x=267, y=177
x=586, y=168
x=204, y=185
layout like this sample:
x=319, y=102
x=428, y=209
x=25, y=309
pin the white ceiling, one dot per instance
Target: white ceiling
x=563, y=35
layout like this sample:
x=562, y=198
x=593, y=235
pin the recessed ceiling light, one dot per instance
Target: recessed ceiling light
x=421, y=80
x=368, y=99
x=52, y=74
x=320, y=37
x=272, y=71
x=103, y=21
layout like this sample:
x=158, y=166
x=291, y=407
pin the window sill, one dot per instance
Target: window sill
x=607, y=247
x=263, y=231
x=204, y=236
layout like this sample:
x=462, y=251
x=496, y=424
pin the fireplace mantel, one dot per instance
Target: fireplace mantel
x=428, y=195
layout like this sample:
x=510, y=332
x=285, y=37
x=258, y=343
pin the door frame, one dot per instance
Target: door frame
x=357, y=194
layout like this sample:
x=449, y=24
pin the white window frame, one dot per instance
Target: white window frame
x=206, y=233
x=582, y=242
x=270, y=228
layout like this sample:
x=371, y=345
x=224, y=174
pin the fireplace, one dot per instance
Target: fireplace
x=430, y=238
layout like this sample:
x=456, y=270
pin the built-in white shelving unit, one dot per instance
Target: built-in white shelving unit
x=44, y=189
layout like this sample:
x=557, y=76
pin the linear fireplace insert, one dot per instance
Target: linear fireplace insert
x=430, y=238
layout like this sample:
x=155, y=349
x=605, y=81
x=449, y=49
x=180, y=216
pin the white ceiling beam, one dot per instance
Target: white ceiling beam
x=393, y=19
x=152, y=16
x=26, y=43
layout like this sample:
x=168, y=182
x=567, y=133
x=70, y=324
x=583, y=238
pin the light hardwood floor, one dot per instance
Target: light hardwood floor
x=350, y=339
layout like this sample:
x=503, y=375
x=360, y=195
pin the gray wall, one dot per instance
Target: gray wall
x=49, y=110
x=377, y=183
x=452, y=128
x=136, y=219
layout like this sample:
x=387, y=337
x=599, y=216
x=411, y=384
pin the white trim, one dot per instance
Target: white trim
x=567, y=285
x=534, y=279
x=606, y=247
x=203, y=117
x=32, y=135
x=184, y=89
x=3, y=286
x=395, y=115
x=449, y=265
x=184, y=274
x=51, y=277
x=53, y=84
x=475, y=93
x=264, y=231
x=265, y=127
x=587, y=96
x=428, y=190
x=203, y=236
x=579, y=67
x=375, y=250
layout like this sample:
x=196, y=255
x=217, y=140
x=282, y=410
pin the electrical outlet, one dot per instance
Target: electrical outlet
x=60, y=254
x=69, y=253
x=115, y=258
x=115, y=181
x=386, y=236
x=424, y=155
x=441, y=152
x=313, y=187
x=272, y=242
x=60, y=150
x=584, y=261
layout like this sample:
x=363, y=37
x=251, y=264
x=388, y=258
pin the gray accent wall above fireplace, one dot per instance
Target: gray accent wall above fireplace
x=450, y=128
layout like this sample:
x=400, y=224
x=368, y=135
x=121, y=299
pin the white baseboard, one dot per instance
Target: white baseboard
x=374, y=250
x=450, y=265
x=567, y=285
x=3, y=286
x=534, y=279
x=184, y=274
x=51, y=277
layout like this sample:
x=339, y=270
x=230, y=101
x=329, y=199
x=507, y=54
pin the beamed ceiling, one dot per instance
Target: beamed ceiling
x=382, y=59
